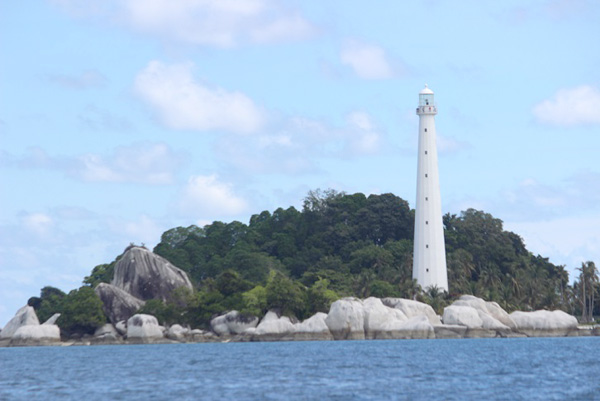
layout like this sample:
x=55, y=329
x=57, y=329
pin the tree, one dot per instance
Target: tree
x=49, y=302
x=319, y=297
x=588, y=278
x=81, y=312
x=100, y=274
x=285, y=295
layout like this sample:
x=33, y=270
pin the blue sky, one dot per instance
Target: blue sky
x=122, y=119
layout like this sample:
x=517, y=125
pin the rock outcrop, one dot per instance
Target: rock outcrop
x=117, y=304
x=52, y=319
x=346, y=319
x=491, y=309
x=412, y=308
x=25, y=316
x=314, y=328
x=106, y=334
x=146, y=275
x=232, y=323
x=381, y=321
x=40, y=334
x=272, y=327
x=543, y=323
x=178, y=333
x=143, y=328
x=25, y=329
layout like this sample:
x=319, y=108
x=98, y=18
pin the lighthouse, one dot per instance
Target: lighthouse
x=429, y=256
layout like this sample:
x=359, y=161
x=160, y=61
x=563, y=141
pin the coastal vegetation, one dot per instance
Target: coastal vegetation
x=299, y=261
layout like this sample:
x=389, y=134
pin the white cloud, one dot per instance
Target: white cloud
x=299, y=143
x=367, y=61
x=144, y=162
x=39, y=224
x=580, y=105
x=363, y=138
x=182, y=103
x=219, y=23
x=148, y=163
x=143, y=230
x=86, y=79
x=205, y=197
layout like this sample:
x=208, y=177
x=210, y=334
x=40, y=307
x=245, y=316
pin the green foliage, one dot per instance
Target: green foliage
x=100, y=274
x=348, y=245
x=255, y=301
x=49, y=302
x=285, y=295
x=81, y=312
x=319, y=297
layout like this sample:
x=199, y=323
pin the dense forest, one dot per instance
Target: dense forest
x=338, y=245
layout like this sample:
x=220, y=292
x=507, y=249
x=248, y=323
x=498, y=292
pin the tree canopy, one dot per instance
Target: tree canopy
x=300, y=261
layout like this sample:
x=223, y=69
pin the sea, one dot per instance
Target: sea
x=467, y=369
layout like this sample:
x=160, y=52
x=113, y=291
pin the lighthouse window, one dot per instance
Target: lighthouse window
x=426, y=246
x=427, y=270
x=426, y=222
x=425, y=152
x=425, y=175
x=426, y=198
x=425, y=129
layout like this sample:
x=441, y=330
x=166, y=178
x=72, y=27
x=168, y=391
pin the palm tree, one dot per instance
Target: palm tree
x=587, y=282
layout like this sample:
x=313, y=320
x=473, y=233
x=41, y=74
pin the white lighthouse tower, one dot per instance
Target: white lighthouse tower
x=429, y=258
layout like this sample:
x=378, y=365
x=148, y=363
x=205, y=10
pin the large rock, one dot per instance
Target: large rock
x=146, y=275
x=543, y=323
x=412, y=308
x=52, y=319
x=313, y=329
x=446, y=331
x=490, y=308
x=40, y=334
x=106, y=334
x=462, y=316
x=178, y=333
x=143, y=328
x=25, y=316
x=117, y=304
x=380, y=318
x=232, y=323
x=346, y=319
x=272, y=328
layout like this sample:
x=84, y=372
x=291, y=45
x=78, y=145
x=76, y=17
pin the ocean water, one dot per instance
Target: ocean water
x=470, y=369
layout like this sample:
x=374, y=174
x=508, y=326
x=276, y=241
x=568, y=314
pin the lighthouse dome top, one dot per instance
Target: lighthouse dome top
x=426, y=91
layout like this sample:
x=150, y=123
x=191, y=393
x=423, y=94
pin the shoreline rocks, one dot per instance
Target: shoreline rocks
x=348, y=319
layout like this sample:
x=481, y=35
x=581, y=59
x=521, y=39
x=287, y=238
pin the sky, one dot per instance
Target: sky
x=122, y=119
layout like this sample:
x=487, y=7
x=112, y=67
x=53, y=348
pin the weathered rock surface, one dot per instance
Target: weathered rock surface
x=40, y=334
x=314, y=328
x=146, y=275
x=543, y=323
x=446, y=331
x=491, y=309
x=25, y=316
x=346, y=319
x=52, y=319
x=106, y=334
x=178, y=333
x=463, y=316
x=117, y=304
x=412, y=308
x=272, y=328
x=380, y=320
x=121, y=327
x=143, y=328
x=232, y=323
